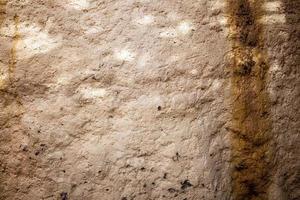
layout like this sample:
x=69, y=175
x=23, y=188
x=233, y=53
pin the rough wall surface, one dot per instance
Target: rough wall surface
x=149, y=99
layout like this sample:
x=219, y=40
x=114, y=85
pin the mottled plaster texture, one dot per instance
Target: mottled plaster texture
x=149, y=100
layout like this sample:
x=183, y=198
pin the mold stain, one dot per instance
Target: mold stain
x=251, y=127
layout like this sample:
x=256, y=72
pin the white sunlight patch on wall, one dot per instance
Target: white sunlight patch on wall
x=79, y=4
x=272, y=6
x=275, y=17
x=91, y=92
x=33, y=40
x=124, y=55
x=145, y=20
x=184, y=27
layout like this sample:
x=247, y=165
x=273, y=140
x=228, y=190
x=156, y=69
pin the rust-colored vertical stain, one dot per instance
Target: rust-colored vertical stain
x=2, y=18
x=251, y=131
x=2, y=10
x=13, y=51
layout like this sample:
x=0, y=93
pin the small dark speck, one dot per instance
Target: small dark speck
x=176, y=157
x=165, y=175
x=39, y=131
x=153, y=183
x=185, y=184
x=99, y=172
x=124, y=198
x=171, y=190
x=107, y=189
x=143, y=168
x=145, y=185
x=64, y=171
x=202, y=185
x=64, y=196
x=159, y=108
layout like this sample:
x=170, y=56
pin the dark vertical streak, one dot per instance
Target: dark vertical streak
x=2, y=101
x=251, y=126
x=290, y=169
x=13, y=51
x=10, y=107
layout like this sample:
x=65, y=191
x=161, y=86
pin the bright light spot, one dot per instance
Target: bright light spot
x=125, y=55
x=194, y=72
x=79, y=4
x=216, y=84
x=173, y=16
x=168, y=33
x=64, y=79
x=143, y=61
x=223, y=20
x=272, y=6
x=90, y=93
x=273, y=19
x=146, y=20
x=174, y=58
x=219, y=4
x=93, y=30
x=3, y=79
x=184, y=27
x=33, y=40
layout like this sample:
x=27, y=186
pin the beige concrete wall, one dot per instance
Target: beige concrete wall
x=140, y=99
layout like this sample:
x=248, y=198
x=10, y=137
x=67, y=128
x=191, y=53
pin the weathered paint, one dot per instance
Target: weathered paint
x=251, y=137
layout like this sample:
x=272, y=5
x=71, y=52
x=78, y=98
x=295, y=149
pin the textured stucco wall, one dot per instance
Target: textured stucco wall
x=145, y=99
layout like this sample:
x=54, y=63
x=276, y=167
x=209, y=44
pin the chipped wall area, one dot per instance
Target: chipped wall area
x=149, y=99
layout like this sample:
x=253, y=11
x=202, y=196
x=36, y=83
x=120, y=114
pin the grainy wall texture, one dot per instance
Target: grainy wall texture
x=149, y=99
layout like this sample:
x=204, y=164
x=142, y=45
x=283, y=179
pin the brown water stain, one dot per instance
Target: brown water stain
x=10, y=106
x=12, y=55
x=2, y=18
x=13, y=51
x=251, y=127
